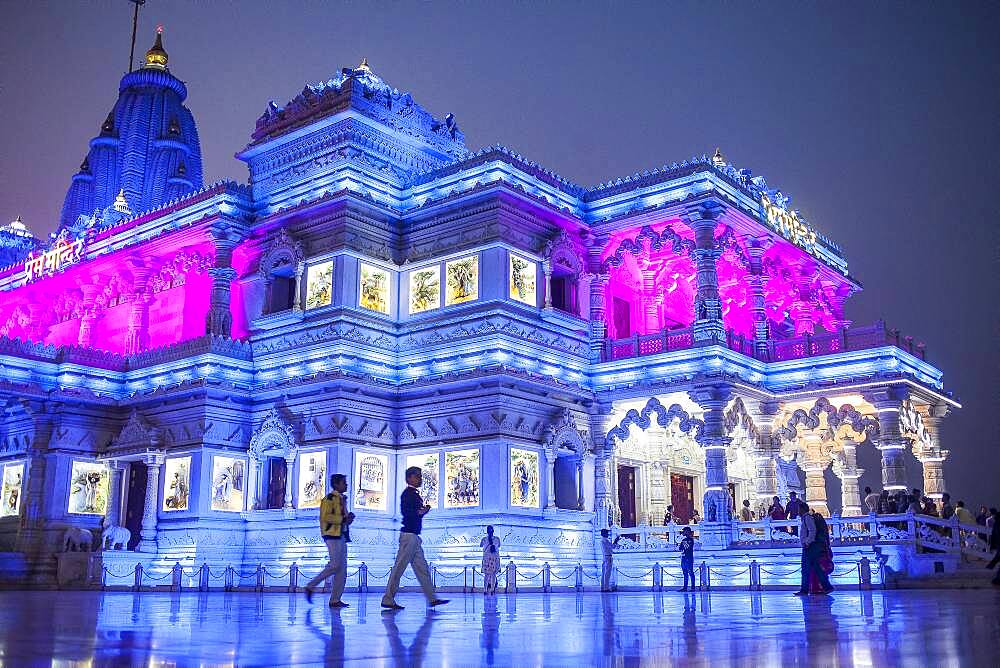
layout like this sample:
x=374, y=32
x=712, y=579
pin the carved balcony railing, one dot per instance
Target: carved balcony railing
x=772, y=350
x=847, y=339
x=930, y=534
x=649, y=344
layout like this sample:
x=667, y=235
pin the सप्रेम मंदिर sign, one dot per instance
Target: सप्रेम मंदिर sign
x=789, y=225
x=65, y=252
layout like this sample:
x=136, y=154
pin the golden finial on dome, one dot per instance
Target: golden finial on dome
x=121, y=204
x=156, y=58
x=718, y=160
x=363, y=67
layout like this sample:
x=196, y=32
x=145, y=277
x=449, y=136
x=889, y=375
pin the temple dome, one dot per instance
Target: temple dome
x=147, y=148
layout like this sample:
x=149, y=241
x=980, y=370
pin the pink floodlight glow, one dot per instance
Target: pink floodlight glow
x=651, y=290
x=106, y=297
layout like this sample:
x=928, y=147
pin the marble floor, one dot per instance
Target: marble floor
x=890, y=628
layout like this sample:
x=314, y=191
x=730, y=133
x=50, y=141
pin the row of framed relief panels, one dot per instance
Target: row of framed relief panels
x=493, y=475
x=402, y=293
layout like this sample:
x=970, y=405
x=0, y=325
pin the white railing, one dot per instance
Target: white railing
x=929, y=533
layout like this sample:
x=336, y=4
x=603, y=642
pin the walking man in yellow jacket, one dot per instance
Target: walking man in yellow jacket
x=334, y=523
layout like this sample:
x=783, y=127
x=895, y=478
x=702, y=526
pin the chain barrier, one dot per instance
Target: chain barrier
x=158, y=579
x=108, y=571
x=634, y=577
x=567, y=577
x=781, y=575
x=728, y=575
x=451, y=577
x=521, y=574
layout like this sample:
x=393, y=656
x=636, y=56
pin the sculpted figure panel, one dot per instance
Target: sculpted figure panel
x=177, y=484
x=10, y=495
x=88, y=491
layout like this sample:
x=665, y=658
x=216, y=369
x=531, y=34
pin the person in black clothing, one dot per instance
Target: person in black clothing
x=686, y=549
x=411, y=552
x=995, y=544
x=820, y=583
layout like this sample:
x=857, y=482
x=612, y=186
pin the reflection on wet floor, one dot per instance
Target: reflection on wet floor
x=880, y=628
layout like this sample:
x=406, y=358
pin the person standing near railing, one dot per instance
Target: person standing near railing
x=947, y=510
x=491, y=561
x=793, y=509
x=668, y=516
x=607, y=561
x=686, y=548
x=746, y=513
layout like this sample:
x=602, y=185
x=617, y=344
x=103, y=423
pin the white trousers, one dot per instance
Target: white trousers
x=411, y=553
x=337, y=568
x=606, y=567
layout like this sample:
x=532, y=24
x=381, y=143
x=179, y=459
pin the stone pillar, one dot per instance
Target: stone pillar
x=547, y=270
x=114, y=493
x=582, y=295
x=154, y=461
x=579, y=482
x=932, y=459
x=708, y=325
x=598, y=327
x=766, y=452
x=550, y=482
x=933, y=470
x=890, y=442
x=588, y=467
x=300, y=268
x=816, y=486
x=846, y=468
x=850, y=493
x=220, y=318
x=604, y=456
x=757, y=279
x=253, y=483
x=289, y=467
x=717, y=502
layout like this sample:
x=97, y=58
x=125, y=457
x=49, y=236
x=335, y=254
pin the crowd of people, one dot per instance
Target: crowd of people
x=812, y=531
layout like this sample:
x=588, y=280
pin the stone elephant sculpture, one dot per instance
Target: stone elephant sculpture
x=115, y=538
x=76, y=539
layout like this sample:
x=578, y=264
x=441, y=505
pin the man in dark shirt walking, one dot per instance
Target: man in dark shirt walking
x=411, y=552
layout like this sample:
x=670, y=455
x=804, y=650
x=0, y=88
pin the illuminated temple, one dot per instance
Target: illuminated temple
x=190, y=362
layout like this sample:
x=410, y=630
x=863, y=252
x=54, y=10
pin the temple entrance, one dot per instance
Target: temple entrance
x=135, y=503
x=626, y=495
x=277, y=472
x=682, y=497
x=565, y=483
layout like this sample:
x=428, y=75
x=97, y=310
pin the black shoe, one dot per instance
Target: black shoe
x=392, y=606
x=438, y=601
x=685, y=589
x=338, y=604
x=309, y=595
x=801, y=593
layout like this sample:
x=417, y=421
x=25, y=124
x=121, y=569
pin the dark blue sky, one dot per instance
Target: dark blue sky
x=880, y=119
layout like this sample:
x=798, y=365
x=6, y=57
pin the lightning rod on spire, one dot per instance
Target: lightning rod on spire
x=135, y=25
